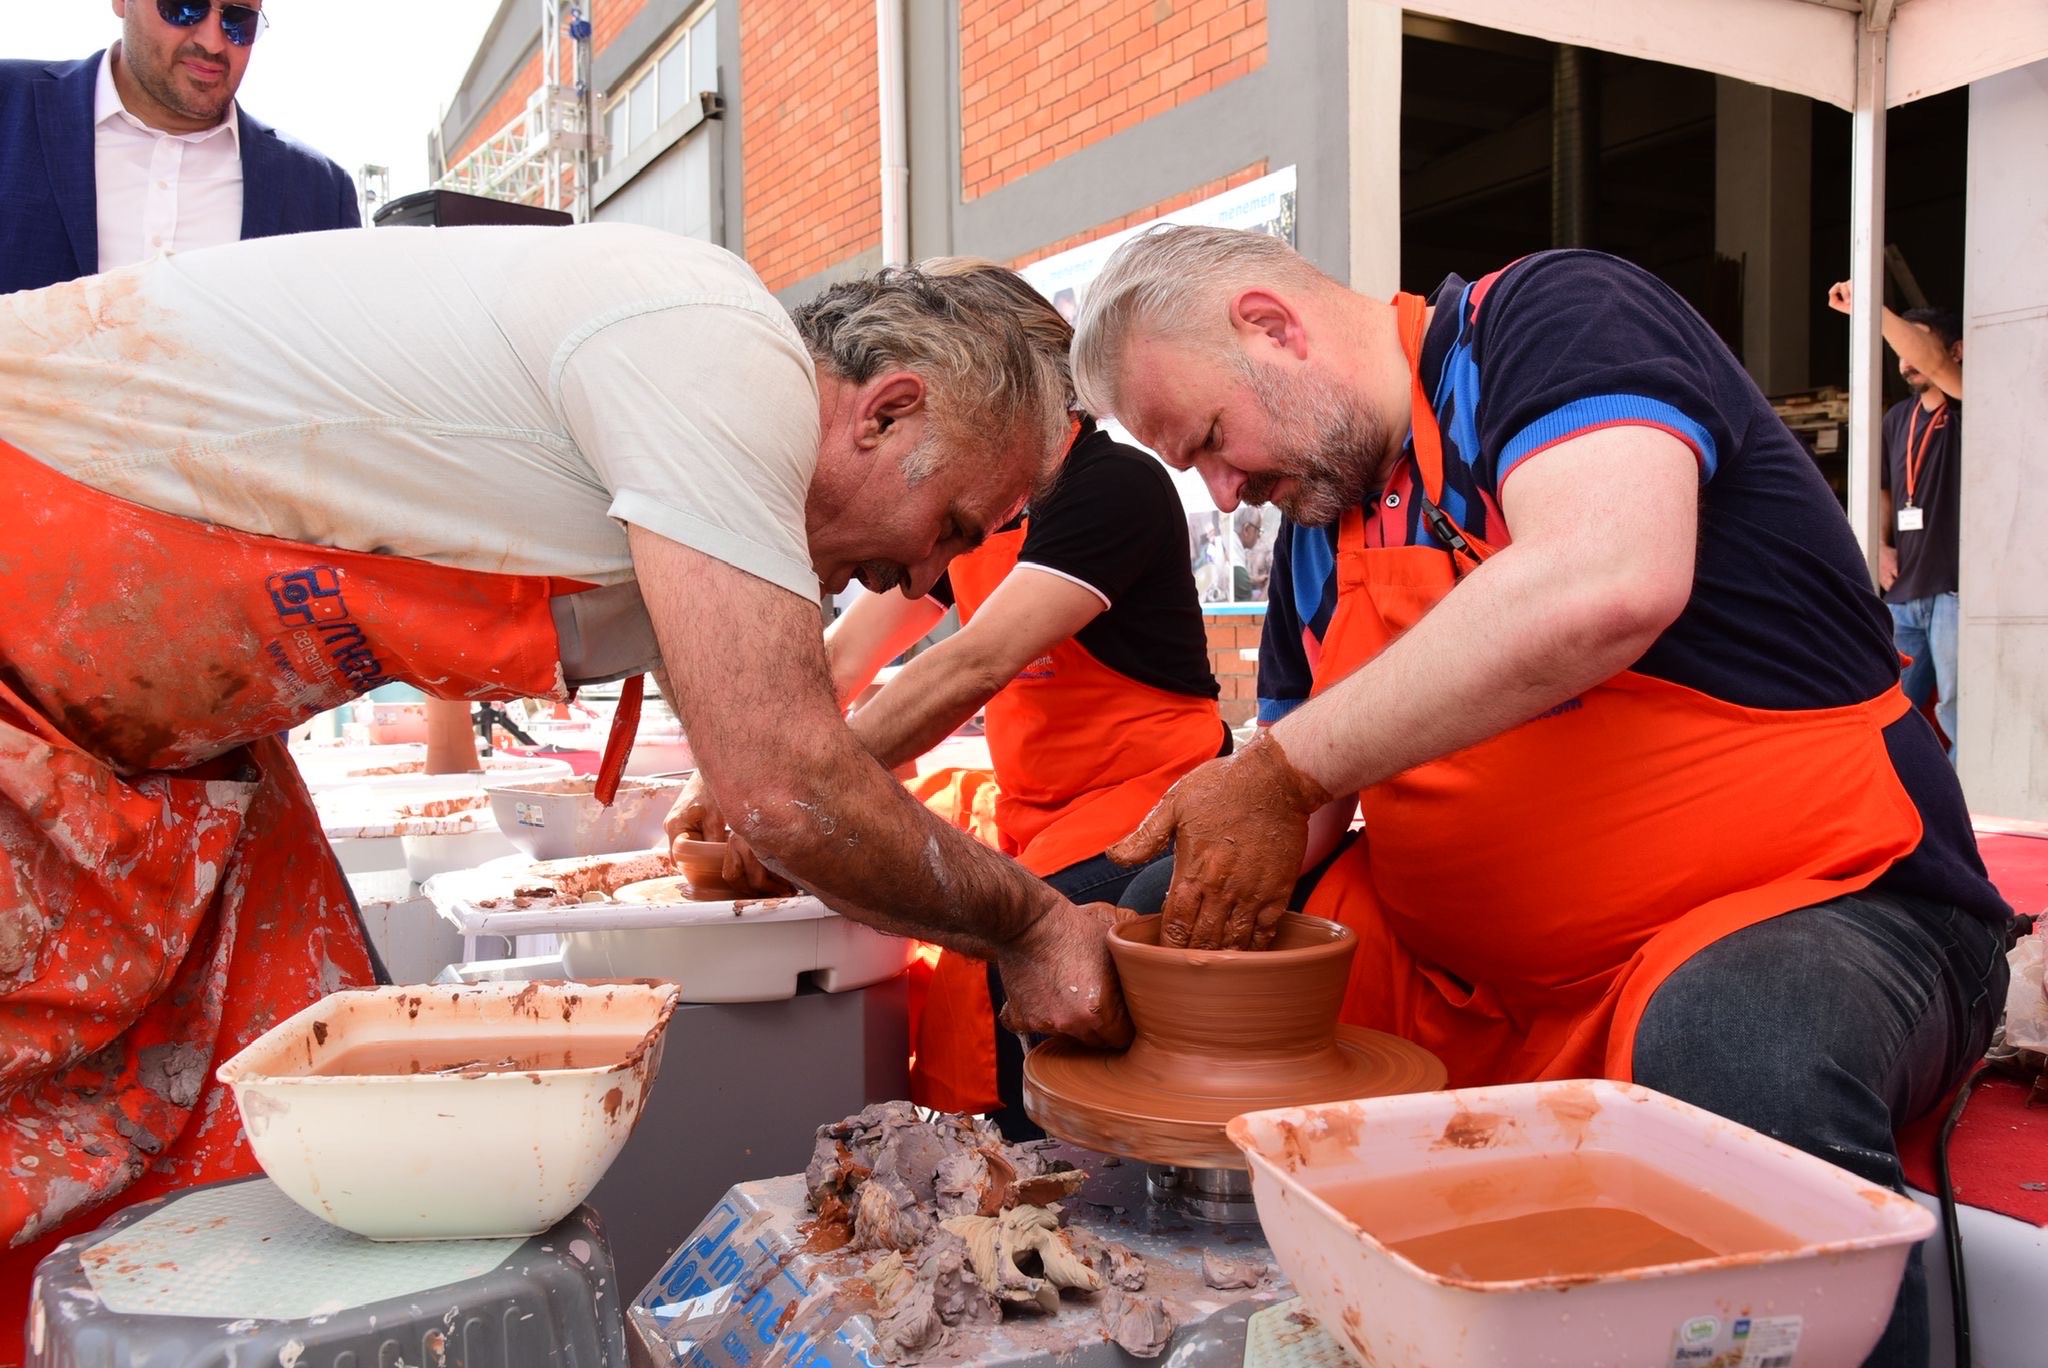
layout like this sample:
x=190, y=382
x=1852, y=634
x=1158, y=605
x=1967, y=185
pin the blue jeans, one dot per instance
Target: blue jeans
x=1828, y=1028
x=1925, y=629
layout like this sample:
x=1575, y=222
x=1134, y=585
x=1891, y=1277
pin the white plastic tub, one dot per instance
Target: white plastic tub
x=553, y=819
x=742, y=950
x=1820, y=1303
x=425, y=1156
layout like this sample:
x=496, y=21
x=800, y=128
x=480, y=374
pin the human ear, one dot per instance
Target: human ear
x=1258, y=313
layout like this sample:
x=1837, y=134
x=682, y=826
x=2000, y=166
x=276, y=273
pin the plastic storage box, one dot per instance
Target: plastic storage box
x=1820, y=1300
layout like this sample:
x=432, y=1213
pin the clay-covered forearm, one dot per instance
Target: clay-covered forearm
x=791, y=778
x=888, y=862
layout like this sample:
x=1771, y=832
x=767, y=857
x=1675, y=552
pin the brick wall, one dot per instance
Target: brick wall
x=608, y=19
x=1040, y=79
x=1230, y=635
x=1149, y=212
x=811, y=135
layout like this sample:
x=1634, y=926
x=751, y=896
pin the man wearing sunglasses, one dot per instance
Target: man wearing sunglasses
x=141, y=150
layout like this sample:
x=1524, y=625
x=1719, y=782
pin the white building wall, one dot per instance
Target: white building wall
x=2003, y=701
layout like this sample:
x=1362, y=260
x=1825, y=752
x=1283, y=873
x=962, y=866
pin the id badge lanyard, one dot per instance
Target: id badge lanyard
x=1911, y=516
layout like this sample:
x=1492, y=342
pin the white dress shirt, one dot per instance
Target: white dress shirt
x=161, y=192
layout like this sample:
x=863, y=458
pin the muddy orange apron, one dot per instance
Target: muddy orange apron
x=1518, y=902
x=1081, y=754
x=167, y=894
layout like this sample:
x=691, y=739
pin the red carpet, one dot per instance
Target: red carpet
x=2000, y=1146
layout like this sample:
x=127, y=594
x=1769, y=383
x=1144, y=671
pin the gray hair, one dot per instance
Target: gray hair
x=1174, y=282
x=962, y=331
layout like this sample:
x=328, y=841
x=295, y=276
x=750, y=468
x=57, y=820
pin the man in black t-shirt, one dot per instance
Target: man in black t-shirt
x=1922, y=477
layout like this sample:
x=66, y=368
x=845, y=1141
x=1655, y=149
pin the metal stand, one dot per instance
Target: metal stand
x=1216, y=1195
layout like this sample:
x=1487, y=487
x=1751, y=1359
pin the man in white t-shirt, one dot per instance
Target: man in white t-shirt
x=492, y=461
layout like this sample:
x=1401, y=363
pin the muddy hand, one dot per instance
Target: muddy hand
x=743, y=869
x=1060, y=980
x=695, y=815
x=1238, y=826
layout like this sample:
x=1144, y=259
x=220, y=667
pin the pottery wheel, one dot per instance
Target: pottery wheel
x=676, y=889
x=1098, y=1100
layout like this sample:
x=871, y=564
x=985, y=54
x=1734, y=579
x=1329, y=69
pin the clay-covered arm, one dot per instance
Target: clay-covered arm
x=1029, y=613
x=872, y=632
x=1605, y=527
x=748, y=667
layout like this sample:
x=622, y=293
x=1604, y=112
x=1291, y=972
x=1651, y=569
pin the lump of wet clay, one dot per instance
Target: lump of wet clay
x=1024, y=1258
x=887, y=1215
x=1141, y=1326
x=1115, y=1263
x=958, y=1164
x=1224, y=1274
x=922, y=1300
x=888, y=1137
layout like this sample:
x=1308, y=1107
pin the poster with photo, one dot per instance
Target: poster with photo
x=1231, y=554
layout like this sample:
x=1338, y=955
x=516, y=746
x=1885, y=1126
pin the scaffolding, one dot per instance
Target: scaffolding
x=545, y=154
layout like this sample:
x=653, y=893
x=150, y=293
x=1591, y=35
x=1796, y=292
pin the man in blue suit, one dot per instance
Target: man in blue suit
x=141, y=149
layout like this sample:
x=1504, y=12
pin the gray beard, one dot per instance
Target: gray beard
x=1328, y=443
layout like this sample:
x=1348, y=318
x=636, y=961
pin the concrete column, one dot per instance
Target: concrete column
x=1763, y=217
x=2003, y=704
x=1374, y=82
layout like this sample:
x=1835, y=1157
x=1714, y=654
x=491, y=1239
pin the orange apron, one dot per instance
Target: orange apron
x=1518, y=902
x=168, y=895
x=1081, y=754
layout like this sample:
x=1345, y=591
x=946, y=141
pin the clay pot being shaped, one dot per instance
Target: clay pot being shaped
x=1219, y=1033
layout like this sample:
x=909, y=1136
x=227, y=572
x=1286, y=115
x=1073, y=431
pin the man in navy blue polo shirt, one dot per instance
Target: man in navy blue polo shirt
x=1572, y=617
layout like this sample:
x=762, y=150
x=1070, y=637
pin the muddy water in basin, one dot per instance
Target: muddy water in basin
x=1573, y=1215
x=519, y=1053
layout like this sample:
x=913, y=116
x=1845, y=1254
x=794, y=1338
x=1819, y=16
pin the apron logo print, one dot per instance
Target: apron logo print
x=310, y=600
x=303, y=597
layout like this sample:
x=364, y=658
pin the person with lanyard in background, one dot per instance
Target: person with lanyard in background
x=244, y=497
x=1082, y=640
x=1919, y=567
x=141, y=150
x=1574, y=618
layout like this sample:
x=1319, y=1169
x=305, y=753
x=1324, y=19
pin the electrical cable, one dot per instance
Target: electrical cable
x=1958, y=1285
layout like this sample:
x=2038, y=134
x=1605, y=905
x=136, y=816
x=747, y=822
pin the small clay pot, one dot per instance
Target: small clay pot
x=1219, y=1033
x=702, y=862
x=1248, y=1024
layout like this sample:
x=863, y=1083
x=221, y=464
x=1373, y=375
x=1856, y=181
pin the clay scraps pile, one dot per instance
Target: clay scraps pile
x=968, y=1230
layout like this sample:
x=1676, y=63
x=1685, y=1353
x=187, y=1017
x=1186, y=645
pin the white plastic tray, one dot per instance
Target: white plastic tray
x=738, y=950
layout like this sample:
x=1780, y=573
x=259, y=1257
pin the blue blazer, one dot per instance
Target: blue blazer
x=49, y=215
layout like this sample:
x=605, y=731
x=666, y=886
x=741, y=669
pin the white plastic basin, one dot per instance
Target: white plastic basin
x=1822, y=1298
x=466, y=1154
x=554, y=819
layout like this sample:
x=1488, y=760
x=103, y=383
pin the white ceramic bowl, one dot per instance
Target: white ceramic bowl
x=1824, y=1301
x=558, y=819
x=461, y=1155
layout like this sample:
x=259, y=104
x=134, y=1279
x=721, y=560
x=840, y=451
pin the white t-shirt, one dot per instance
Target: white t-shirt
x=499, y=399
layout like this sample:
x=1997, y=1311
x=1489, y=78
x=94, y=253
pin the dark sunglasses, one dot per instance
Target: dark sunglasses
x=239, y=23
